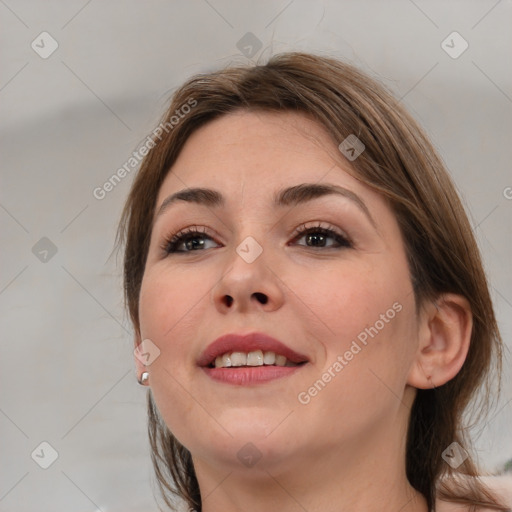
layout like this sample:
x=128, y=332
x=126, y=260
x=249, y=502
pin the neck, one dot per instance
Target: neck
x=336, y=479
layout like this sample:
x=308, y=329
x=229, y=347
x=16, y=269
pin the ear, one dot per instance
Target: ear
x=444, y=333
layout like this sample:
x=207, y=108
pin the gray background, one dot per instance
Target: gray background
x=70, y=120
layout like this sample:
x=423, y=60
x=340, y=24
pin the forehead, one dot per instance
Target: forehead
x=286, y=129
x=257, y=150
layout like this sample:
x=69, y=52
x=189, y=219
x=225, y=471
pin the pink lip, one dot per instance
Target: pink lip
x=247, y=343
x=245, y=376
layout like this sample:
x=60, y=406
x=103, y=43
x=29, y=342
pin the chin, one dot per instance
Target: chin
x=241, y=455
x=257, y=423
x=254, y=441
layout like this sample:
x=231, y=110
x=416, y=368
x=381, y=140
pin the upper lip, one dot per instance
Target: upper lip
x=247, y=343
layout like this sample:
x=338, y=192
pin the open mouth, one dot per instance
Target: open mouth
x=252, y=359
x=249, y=359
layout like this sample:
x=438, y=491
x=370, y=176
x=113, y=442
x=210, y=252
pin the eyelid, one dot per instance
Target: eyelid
x=306, y=226
x=182, y=233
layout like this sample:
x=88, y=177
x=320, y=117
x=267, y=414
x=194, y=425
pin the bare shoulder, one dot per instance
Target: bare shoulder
x=445, y=506
x=500, y=486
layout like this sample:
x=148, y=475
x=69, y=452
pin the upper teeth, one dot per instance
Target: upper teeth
x=255, y=358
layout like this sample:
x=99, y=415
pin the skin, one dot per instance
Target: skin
x=324, y=454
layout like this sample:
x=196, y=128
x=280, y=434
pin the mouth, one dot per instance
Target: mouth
x=249, y=359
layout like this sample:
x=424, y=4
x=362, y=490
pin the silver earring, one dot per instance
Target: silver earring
x=143, y=378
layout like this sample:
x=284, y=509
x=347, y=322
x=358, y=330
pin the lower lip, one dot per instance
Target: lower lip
x=247, y=375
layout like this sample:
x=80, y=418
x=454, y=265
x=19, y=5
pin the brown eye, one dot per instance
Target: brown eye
x=187, y=241
x=319, y=237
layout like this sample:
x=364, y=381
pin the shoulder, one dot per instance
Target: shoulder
x=500, y=486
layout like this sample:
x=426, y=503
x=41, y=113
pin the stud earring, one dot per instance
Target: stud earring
x=143, y=378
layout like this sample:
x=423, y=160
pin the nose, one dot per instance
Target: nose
x=248, y=285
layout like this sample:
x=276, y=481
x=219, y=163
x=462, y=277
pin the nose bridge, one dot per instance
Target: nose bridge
x=250, y=238
x=247, y=281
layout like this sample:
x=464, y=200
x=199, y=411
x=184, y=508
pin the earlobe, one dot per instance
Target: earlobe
x=139, y=365
x=444, y=334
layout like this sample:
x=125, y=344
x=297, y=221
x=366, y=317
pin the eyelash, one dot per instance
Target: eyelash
x=340, y=238
x=171, y=243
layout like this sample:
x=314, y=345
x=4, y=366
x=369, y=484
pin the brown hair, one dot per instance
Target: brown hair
x=398, y=162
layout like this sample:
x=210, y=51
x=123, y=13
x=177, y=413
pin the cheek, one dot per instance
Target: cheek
x=171, y=307
x=168, y=302
x=169, y=312
x=362, y=383
x=366, y=316
x=340, y=302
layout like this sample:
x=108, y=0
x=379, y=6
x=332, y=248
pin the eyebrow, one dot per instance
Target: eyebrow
x=290, y=196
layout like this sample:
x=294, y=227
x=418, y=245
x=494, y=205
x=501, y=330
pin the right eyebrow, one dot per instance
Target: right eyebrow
x=205, y=196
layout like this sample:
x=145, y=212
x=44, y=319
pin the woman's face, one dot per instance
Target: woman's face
x=338, y=295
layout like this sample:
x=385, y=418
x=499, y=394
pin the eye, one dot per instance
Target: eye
x=187, y=240
x=319, y=236
x=196, y=239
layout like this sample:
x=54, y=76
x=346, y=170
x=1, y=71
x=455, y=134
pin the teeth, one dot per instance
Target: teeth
x=223, y=361
x=280, y=360
x=269, y=358
x=254, y=358
x=238, y=359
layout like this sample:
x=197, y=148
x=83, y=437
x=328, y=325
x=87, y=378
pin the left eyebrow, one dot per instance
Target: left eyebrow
x=295, y=195
x=309, y=191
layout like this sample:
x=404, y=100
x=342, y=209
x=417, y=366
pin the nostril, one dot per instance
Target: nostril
x=261, y=297
x=229, y=300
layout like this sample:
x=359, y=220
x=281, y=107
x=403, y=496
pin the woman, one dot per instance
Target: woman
x=309, y=305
